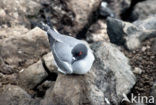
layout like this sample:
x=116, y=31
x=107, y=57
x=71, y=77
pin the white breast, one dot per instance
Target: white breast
x=84, y=65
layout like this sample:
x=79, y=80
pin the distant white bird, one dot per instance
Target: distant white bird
x=71, y=55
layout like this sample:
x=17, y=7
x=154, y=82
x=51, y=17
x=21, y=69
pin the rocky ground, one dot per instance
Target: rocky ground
x=121, y=33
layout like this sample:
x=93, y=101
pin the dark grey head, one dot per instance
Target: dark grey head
x=79, y=51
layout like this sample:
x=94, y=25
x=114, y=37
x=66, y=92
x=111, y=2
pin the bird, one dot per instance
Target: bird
x=72, y=56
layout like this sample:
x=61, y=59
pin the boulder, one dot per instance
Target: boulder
x=130, y=35
x=147, y=24
x=16, y=12
x=145, y=9
x=110, y=77
x=97, y=32
x=21, y=51
x=30, y=77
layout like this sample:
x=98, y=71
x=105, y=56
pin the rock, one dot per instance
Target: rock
x=97, y=32
x=115, y=61
x=109, y=78
x=153, y=91
x=145, y=9
x=6, y=69
x=21, y=51
x=154, y=46
x=83, y=11
x=137, y=70
x=12, y=31
x=49, y=62
x=130, y=35
x=14, y=95
x=148, y=23
x=68, y=16
x=143, y=48
x=63, y=93
x=105, y=11
x=33, y=75
x=115, y=31
x=16, y=12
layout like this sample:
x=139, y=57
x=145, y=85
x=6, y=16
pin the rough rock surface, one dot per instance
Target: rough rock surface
x=16, y=12
x=97, y=32
x=83, y=11
x=6, y=32
x=33, y=75
x=130, y=35
x=21, y=51
x=14, y=95
x=149, y=23
x=68, y=16
x=145, y=9
x=107, y=81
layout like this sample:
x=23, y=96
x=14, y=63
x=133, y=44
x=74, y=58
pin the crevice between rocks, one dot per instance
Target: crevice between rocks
x=94, y=16
x=52, y=76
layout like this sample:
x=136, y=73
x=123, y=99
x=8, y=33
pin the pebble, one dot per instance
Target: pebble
x=137, y=70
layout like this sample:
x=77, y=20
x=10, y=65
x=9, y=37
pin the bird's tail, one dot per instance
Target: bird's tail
x=44, y=26
x=52, y=33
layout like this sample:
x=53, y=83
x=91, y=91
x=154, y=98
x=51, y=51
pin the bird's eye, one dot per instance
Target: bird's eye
x=80, y=53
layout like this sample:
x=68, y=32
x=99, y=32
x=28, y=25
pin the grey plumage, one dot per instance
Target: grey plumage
x=71, y=55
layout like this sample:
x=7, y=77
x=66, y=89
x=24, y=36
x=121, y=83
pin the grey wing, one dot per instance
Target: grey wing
x=63, y=57
x=53, y=35
x=71, y=41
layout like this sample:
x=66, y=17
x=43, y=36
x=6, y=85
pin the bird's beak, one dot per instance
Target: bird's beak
x=73, y=60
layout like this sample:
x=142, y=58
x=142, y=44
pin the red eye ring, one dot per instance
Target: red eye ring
x=80, y=53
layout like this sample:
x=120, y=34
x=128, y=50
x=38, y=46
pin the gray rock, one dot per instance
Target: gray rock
x=18, y=11
x=130, y=35
x=149, y=23
x=110, y=77
x=115, y=31
x=33, y=75
x=116, y=62
x=145, y=9
x=14, y=95
x=97, y=32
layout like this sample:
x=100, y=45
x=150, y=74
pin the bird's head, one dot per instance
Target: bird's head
x=79, y=52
